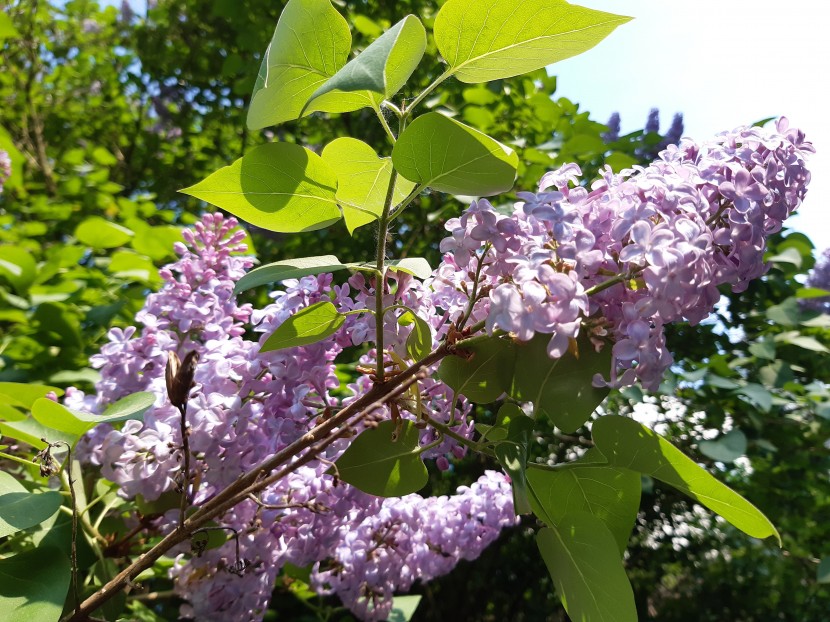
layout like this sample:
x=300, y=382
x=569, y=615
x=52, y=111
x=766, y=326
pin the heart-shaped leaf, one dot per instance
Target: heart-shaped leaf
x=310, y=44
x=277, y=186
x=380, y=70
x=362, y=181
x=483, y=372
x=449, y=156
x=33, y=585
x=381, y=466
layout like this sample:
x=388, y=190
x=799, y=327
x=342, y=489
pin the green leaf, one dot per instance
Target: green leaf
x=18, y=267
x=788, y=255
x=7, y=29
x=22, y=509
x=30, y=431
x=786, y=313
x=419, y=341
x=362, y=181
x=380, y=466
x=485, y=375
x=561, y=388
x=98, y=232
x=157, y=242
x=23, y=394
x=811, y=292
x=416, y=266
x=288, y=269
x=610, y=494
x=823, y=573
x=484, y=40
x=449, y=156
x=33, y=585
x=310, y=44
x=403, y=608
x=61, y=418
x=276, y=186
x=582, y=558
x=804, y=342
x=630, y=445
x=726, y=448
x=306, y=326
x=512, y=455
x=382, y=68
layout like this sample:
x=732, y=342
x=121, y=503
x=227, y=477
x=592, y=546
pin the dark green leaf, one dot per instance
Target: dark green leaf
x=560, y=389
x=583, y=560
x=381, y=466
x=483, y=372
x=21, y=509
x=726, y=448
x=33, y=585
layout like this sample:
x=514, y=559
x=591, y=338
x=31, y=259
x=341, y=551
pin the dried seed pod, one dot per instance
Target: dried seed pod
x=179, y=377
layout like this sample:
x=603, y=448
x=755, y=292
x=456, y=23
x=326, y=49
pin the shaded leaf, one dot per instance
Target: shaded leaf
x=23, y=509
x=512, y=454
x=33, y=585
x=561, y=389
x=726, y=448
x=583, y=561
x=485, y=375
x=288, y=269
x=376, y=464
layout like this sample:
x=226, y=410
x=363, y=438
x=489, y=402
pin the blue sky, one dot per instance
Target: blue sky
x=722, y=63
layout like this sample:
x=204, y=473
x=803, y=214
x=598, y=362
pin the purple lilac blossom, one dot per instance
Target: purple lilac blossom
x=247, y=405
x=620, y=259
x=651, y=244
x=5, y=169
x=613, y=124
x=819, y=278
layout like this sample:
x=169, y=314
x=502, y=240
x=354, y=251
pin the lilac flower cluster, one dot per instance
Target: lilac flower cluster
x=247, y=405
x=819, y=278
x=633, y=252
x=5, y=168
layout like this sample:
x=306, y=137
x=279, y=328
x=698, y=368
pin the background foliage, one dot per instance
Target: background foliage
x=108, y=113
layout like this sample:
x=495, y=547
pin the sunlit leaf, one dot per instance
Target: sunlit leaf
x=98, y=232
x=276, y=186
x=24, y=394
x=310, y=44
x=484, y=40
x=610, y=494
x=379, y=71
x=288, y=269
x=362, y=181
x=452, y=157
x=628, y=444
x=306, y=326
